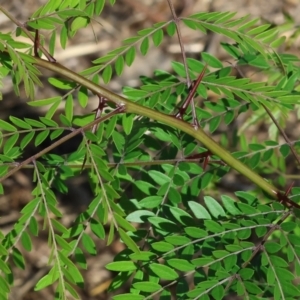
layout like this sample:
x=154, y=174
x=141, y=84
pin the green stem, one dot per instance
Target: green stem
x=197, y=133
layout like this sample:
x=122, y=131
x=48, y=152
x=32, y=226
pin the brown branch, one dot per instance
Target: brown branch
x=258, y=247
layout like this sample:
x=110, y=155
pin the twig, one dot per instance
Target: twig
x=258, y=247
x=98, y=112
x=276, y=123
x=282, y=133
x=180, y=41
x=141, y=163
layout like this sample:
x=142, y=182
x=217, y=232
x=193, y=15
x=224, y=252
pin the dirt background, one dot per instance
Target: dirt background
x=118, y=22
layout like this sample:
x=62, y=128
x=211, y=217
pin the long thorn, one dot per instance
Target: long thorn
x=191, y=95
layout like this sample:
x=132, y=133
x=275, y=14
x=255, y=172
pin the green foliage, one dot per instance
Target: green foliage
x=180, y=229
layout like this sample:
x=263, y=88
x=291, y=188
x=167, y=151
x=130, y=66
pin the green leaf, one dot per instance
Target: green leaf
x=40, y=138
x=47, y=280
x=151, y=201
x=97, y=228
x=128, y=296
x=211, y=60
x=171, y=29
x=252, y=288
x=144, y=46
x=180, y=264
x=73, y=270
x=51, y=111
x=181, y=216
x=99, y=7
x=246, y=273
x=121, y=266
x=83, y=96
x=18, y=258
x=142, y=256
x=4, y=287
x=214, y=124
x=10, y=143
x=106, y=74
x=178, y=240
x=79, y=22
x=71, y=290
x=48, y=122
x=213, y=226
x=130, y=56
x=6, y=126
x=162, y=223
x=195, y=232
x=128, y=241
x=218, y=292
x=59, y=226
x=44, y=102
x=278, y=42
x=278, y=261
x=272, y=247
x=246, y=209
x=123, y=223
x=4, y=267
x=127, y=122
x=145, y=286
x=288, y=226
x=179, y=69
x=214, y=207
x=229, y=205
x=258, y=29
x=69, y=108
x=20, y=123
x=159, y=177
x=61, y=84
x=26, y=241
x=119, y=65
x=63, y=243
x=158, y=37
x=88, y=244
x=80, y=258
x=162, y=246
x=198, y=210
x=139, y=216
x=163, y=272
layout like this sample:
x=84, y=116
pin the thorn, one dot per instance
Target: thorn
x=206, y=155
x=289, y=188
x=36, y=43
x=37, y=46
x=285, y=200
x=206, y=161
x=191, y=94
